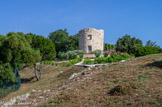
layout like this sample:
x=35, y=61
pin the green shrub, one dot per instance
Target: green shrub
x=106, y=54
x=56, y=64
x=87, y=61
x=146, y=51
x=71, y=54
x=81, y=53
x=69, y=64
x=110, y=59
x=100, y=60
x=62, y=55
x=114, y=57
x=97, y=53
x=124, y=56
x=74, y=61
x=7, y=73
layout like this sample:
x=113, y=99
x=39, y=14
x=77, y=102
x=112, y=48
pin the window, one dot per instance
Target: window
x=89, y=49
x=89, y=37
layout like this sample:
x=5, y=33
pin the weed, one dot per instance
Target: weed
x=110, y=105
x=91, y=102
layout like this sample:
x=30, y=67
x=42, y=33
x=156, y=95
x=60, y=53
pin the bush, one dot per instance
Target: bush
x=62, y=55
x=106, y=54
x=97, y=53
x=100, y=60
x=146, y=51
x=81, y=53
x=87, y=61
x=71, y=54
x=112, y=58
x=74, y=61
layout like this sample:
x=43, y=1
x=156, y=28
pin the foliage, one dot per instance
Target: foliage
x=112, y=58
x=97, y=53
x=108, y=47
x=151, y=44
x=64, y=42
x=46, y=47
x=62, y=55
x=87, y=61
x=70, y=63
x=6, y=73
x=74, y=61
x=146, y=51
x=71, y=54
x=16, y=51
x=106, y=54
x=128, y=44
x=80, y=53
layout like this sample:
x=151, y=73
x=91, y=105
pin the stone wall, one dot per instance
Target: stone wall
x=97, y=40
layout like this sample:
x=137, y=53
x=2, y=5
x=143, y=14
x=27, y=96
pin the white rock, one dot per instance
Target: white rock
x=73, y=75
x=41, y=97
x=10, y=103
x=122, y=60
x=23, y=97
x=33, y=91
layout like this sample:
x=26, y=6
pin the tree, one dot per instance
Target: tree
x=128, y=44
x=64, y=42
x=46, y=47
x=151, y=44
x=108, y=47
x=16, y=51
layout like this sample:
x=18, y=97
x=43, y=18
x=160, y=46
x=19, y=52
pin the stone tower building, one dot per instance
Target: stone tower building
x=91, y=39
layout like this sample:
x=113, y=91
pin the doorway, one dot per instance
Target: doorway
x=89, y=49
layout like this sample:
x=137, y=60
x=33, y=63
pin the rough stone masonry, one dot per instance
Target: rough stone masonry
x=91, y=39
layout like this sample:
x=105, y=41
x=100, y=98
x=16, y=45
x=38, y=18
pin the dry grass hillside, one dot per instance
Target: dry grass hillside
x=135, y=83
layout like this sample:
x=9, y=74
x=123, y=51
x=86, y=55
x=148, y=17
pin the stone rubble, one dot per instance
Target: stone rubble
x=13, y=100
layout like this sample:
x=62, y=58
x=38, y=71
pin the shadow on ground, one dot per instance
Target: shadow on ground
x=155, y=64
x=26, y=80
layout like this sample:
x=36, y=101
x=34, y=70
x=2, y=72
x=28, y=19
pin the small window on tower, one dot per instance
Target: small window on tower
x=89, y=37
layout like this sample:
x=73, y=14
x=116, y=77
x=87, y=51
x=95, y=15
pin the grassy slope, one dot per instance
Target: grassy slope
x=28, y=81
x=137, y=82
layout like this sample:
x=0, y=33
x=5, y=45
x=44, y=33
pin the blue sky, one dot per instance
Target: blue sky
x=139, y=18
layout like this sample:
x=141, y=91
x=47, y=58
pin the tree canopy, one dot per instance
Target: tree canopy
x=128, y=44
x=19, y=49
x=64, y=42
